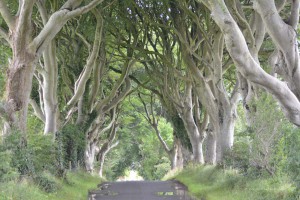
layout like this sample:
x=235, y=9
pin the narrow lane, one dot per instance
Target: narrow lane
x=140, y=190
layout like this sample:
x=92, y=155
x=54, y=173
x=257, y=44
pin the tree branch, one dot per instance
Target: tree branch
x=57, y=20
x=246, y=64
x=147, y=117
x=86, y=73
x=120, y=97
x=110, y=125
x=107, y=102
x=8, y=18
x=280, y=32
x=24, y=18
x=294, y=17
x=37, y=110
x=43, y=12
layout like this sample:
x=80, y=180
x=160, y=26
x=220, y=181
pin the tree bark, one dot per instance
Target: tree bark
x=211, y=145
x=50, y=75
x=177, y=157
x=89, y=156
x=106, y=147
x=246, y=64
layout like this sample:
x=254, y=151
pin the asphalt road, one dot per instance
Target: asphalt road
x=140, y=190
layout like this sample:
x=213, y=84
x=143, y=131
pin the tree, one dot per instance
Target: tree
x=152, y=116
x=27, y=49
x=284, y=37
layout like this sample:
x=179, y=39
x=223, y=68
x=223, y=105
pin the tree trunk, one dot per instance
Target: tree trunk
x=193, y=131
x=50, y=74
x=227, y=131
x=89, y=156
x=211, y=145
x=176, y=155
x=101, y=161
x=18, y=89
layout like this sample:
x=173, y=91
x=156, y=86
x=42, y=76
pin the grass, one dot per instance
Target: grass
x=212, y=183
x=75, y=188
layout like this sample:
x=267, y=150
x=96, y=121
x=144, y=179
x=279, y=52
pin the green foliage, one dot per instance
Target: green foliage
x=37, y=155
x=138, y=139
x=293, y=158
x=162, y=168
x=259, y=149
x=154, y=163
x=44, y=152
x=76, y=186
x=267, y=132
x=21, y=155
x=7, y=171
x=180, y=132
x=139, y=148
x=166, y=131
x=240, y=154
x=73, y=139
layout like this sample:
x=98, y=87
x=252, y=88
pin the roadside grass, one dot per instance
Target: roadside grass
x=75, y=187
x=213, y=183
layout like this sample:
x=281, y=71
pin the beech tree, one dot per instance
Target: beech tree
x=90, y=91
x=27, y=47
x=199, y=58
x=152, y=116
x=285, y=59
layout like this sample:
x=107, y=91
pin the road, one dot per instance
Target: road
x=140, y=190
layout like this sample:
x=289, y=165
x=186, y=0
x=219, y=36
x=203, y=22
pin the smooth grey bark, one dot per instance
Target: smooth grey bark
x=193, y=131
x=106, y=147
x=284, y=36
x=89, y=156
x=183, y=103
x=247, y=65
x=49, y=87
x=93, y=133
x=220, y=107
x=205, y=67
x=177, y=157
x=90, y=63
x=211, y=145
x=102, y=157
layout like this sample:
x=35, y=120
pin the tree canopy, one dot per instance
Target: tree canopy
x=164, y=82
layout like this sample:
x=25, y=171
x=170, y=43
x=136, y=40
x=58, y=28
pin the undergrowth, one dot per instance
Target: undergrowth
x=74, y=187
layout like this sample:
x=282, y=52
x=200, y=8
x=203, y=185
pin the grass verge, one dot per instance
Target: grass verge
x=75, y=187
x=213, y=183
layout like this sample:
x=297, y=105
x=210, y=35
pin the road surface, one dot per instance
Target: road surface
x=140, y=190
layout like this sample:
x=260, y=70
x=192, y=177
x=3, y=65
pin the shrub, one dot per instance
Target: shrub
x=44, y=152
x=293, y=158
x=73, y=141
x=46, y=182
x=7, y=172
x=20, y=154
